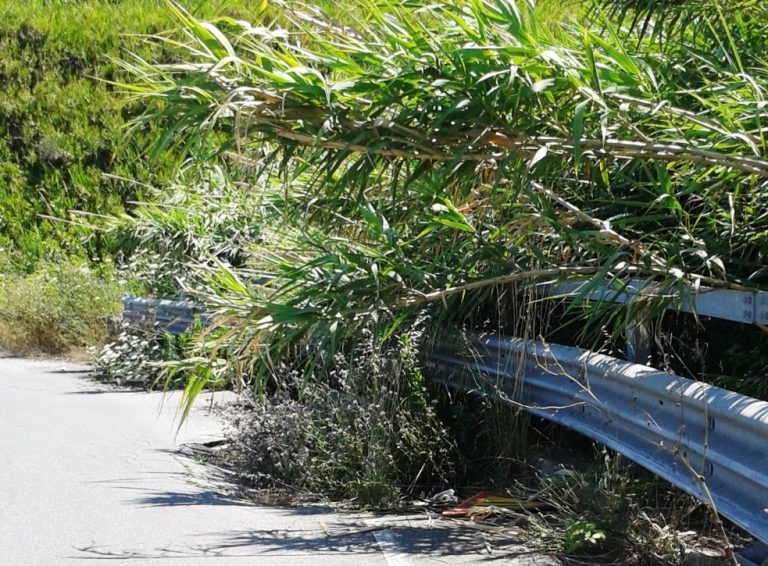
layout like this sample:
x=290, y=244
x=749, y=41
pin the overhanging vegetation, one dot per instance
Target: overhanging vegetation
x=430, y=153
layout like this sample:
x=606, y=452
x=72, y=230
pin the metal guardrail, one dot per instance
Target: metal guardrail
x=748, y=307
x=172, y=316
x=707, y=441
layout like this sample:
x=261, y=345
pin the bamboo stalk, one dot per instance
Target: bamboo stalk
x=524, y=146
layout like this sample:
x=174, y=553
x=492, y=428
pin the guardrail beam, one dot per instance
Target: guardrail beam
x=690, y=433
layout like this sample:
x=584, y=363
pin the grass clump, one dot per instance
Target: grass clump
x=202, y=218
x=136, y=354
x=613, y=512
x=59, y=309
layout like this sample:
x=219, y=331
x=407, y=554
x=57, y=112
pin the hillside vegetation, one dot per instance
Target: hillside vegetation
x=340, y=184
x=65, y=155
x=63, y=129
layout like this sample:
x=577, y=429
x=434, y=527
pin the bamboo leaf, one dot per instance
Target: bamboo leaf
x=577, y=129
x=540, y=154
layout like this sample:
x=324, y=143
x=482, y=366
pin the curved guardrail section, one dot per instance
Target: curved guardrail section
x=708, y=441
x=172, y=316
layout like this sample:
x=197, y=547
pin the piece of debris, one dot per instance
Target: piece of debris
x=469, y=507
x=447, y=497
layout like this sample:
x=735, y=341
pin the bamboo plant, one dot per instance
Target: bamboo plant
x=426, y=157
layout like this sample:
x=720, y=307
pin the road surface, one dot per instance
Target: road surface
x=90, y=473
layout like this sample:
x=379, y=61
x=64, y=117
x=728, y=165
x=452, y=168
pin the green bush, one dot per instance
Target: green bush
x=59, y=309
x=136, y=354
x=202, y=218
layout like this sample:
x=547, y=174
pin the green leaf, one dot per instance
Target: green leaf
x=577, y=128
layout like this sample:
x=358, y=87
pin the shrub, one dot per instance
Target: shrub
x=203, y=218
x=362, y=432
x=136, y=354
x=613, y=509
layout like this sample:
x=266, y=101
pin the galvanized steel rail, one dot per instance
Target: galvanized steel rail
x=744, y=306
x=707, y=441
x=747, y=307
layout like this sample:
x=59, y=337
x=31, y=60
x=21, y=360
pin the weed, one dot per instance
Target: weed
x=136, y=354
x=614, y=509
x=203, y=218
x=581, y=534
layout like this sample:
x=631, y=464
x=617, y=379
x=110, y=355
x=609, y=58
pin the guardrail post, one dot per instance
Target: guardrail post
x=638, y=334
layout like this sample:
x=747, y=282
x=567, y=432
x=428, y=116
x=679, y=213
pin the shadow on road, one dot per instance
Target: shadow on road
x=315, y=530
x=441, y=541
x=101, y=390
x=175, y=499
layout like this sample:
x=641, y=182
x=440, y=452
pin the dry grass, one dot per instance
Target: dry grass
x=59, y=310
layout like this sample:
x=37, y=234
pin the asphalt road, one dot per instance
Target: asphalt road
x=91, y=473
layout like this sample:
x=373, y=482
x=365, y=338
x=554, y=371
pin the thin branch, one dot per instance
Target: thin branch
x=493, y=281
x=525, y=146
x=602, y=225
